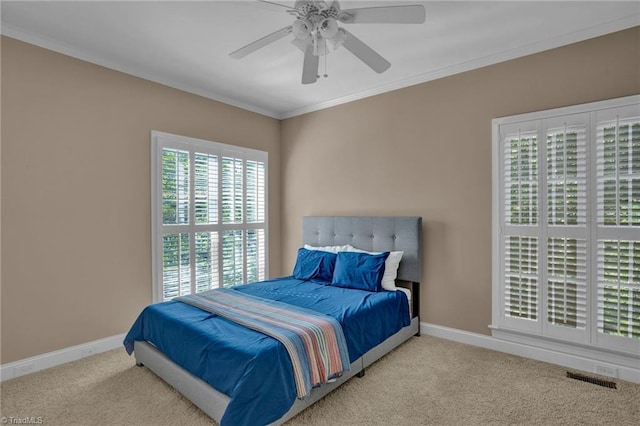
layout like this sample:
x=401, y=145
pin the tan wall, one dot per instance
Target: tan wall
x=426, y=150
x=75, y=177
x=76, y=264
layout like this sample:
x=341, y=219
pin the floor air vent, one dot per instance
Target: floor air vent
x=599, y=382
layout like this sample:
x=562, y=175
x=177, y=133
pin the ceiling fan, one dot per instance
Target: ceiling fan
x=316, y=26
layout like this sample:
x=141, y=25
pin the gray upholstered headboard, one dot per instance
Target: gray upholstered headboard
x=372, y=233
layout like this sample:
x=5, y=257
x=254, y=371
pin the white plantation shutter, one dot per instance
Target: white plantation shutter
x=567, y=282
x=618, y=226
x=255, y=187
x=521, y=177
x=175, y=186
x=232, y=189
x=256, y=255
x=566, y=173
x=521, y=277
x=520, y=240
x=208, y=215
x=206, y=188
x=206, y=261
x=232, y=255
x=176, y=265
x=566, y=274
x=619, y=288
x=568, y=226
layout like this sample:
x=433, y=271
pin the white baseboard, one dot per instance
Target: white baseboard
x=576, y=361
x=62, y=356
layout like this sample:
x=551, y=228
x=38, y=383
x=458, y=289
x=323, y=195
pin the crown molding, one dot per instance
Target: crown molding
x=65, y=49
x=507, y=55
x=532, y=48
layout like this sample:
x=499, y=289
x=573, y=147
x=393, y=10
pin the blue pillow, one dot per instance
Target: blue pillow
x=359, y=271
x=314, y=265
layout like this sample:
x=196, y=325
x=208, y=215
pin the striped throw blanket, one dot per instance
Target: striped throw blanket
x=314, y=341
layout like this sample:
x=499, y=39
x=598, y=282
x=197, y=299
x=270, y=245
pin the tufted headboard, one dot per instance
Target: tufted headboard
x=372, y=233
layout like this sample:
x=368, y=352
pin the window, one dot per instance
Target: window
x=208, y=215
x=567, y=226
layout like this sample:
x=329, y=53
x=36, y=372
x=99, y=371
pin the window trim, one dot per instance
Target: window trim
x=597, y=345
x=158, y=141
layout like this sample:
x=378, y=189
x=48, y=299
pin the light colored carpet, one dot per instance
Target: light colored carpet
x=426, y=381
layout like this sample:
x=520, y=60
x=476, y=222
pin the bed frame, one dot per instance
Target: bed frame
x=372, y=233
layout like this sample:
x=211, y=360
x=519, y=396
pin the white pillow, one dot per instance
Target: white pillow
x=330, y=249
x=390, y=266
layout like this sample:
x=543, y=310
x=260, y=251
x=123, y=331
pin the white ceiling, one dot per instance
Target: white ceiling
x=186, y=44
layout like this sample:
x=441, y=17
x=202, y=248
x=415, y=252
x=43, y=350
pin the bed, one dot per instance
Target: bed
x=235, y=377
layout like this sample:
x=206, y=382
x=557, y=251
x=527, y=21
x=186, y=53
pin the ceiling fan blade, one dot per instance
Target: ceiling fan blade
x=366, y=54
x=409, y=14
x=259, y=44
x=310, y=66
x=276, y=4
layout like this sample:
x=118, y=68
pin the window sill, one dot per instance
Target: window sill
x=557, y=350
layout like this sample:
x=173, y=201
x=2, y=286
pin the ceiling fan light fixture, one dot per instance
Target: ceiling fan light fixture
x=300, y=44
x=302, y=29
x=339, y=39
x=320, y=47
x=328, y=28
x=316, y=29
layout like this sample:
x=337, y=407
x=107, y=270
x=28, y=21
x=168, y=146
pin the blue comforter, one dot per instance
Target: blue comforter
x=254, y=370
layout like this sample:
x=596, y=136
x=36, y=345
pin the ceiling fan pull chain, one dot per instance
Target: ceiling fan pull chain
x=315, y=44
x=325, y=67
